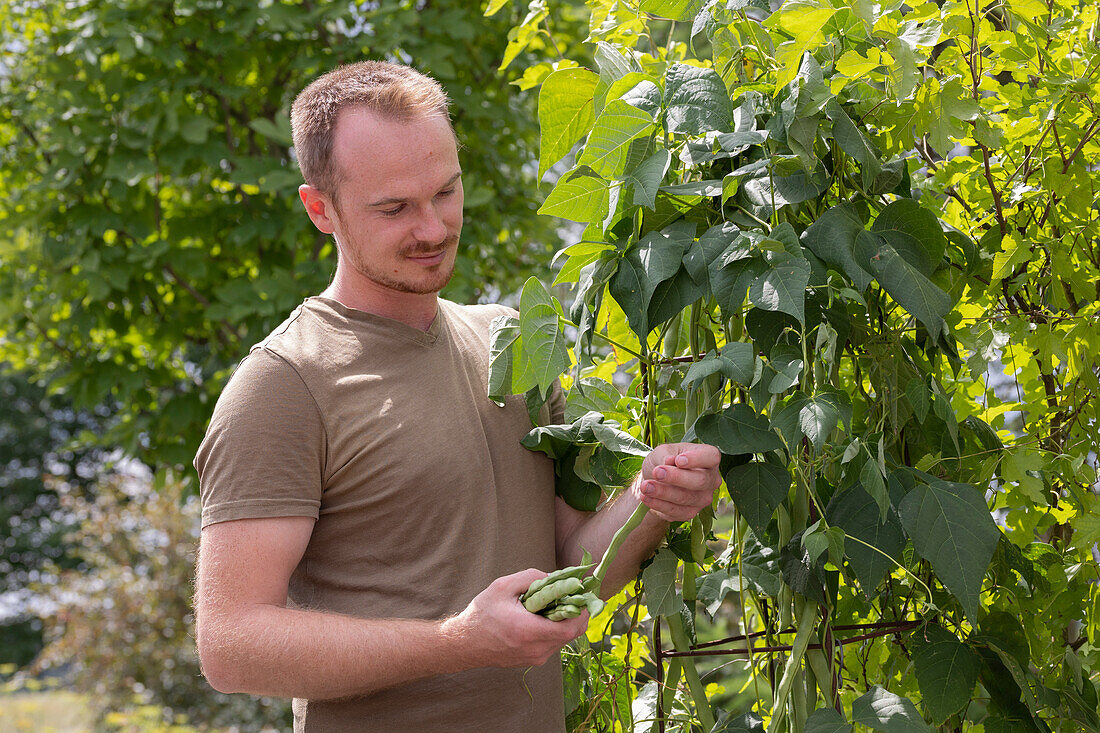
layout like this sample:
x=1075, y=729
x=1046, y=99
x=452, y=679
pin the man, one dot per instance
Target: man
x=355, y=466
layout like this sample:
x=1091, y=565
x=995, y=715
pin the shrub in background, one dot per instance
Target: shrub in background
x=123, y=630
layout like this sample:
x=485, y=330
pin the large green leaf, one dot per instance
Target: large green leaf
x=565, y=113
x=659, y=579
x=914, y=232
x=782, y=286
x=717, y=145
x=503, y=333
x=574, y=490
x=737, y=431
x=653, y=260
x=608, y=148
x=821, y=413
x=736, y=361
x=794, y=188
x=611, y=468
x=544, y=355
x=696, y=100
x=857, y=513
x=853, y=142
x=814, y=416
x=785, y=363
x=756, y=490
x=832, y=238
x=951, y=527
x=672, y=9
x=756, y=569
x=590, y=394
x=580, y=195
x=946, y=670
x=882, y=710
x=730, y=264
x=905, y=283
x=647, y=177
x=803, y=573
x=805, y=23
x=743, y=723
x=639, y=90
x=827, y=720
x=610, y=436
x=613, y=65
x=1015, y=692
x=592, y=427
x=1001, y=721
x=672, y=296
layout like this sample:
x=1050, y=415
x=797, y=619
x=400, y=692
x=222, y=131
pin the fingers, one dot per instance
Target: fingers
x=673, y=503
x=517, y=583
x=693, y=479
x=573, y=627
x=691, y=455
x=680, y=479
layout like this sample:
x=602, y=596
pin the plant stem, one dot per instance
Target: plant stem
x=682, y=643
x=615, y=343
x=617, y=541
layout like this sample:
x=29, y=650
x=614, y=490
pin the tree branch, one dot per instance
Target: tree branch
x=226, y=334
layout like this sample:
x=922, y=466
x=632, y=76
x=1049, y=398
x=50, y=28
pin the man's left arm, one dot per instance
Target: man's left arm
x=677, y=481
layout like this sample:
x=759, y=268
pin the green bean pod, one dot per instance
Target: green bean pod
x=574, y=571
x=576, y=599
x=595, y=604
x=547, y=595
x=588, y=601
x=561, y=613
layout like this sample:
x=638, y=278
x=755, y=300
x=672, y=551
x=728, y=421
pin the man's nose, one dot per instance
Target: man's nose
x=430, y=226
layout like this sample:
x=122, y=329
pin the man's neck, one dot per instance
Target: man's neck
x=412, y=309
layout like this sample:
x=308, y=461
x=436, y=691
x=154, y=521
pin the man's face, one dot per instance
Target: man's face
x=399, y=202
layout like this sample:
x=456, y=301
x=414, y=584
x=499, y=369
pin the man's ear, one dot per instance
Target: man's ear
x=319, y=207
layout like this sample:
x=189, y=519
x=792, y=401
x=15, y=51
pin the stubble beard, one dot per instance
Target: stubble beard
x=433, y=280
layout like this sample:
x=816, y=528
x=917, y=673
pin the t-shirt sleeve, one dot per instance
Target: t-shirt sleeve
x=264, y=451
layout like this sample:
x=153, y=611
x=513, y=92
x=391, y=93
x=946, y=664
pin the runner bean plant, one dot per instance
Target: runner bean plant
x=807, y=235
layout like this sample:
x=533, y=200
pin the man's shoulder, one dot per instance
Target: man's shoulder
x=295, y=329
x=311, y=337
x=480, y=314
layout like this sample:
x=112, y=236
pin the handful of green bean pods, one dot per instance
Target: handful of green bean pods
x=566, y=593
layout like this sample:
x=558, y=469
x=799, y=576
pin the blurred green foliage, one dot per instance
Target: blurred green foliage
x=40, y=451
x=123, y=630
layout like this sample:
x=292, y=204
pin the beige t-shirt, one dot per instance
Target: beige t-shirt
x=422, y=492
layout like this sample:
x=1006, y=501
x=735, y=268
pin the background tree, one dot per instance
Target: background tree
x=151, y=230
x=44, y=454
x=124, y=630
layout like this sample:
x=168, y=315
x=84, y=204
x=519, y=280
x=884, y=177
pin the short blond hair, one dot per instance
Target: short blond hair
x=392, y=90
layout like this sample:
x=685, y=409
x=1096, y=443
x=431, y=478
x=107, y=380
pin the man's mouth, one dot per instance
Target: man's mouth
x=429, y=258
x=432, y=254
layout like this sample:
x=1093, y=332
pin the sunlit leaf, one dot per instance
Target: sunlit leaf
x=882, y=710
x=565, y=113
x=951, y=527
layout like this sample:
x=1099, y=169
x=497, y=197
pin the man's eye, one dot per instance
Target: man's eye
x=392, y=212
x=446, y=192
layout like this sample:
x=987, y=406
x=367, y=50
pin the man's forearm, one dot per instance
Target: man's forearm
x=269, y=650
x=678, y=480
x=594, y=534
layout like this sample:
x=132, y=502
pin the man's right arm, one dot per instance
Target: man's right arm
x=249, y=641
